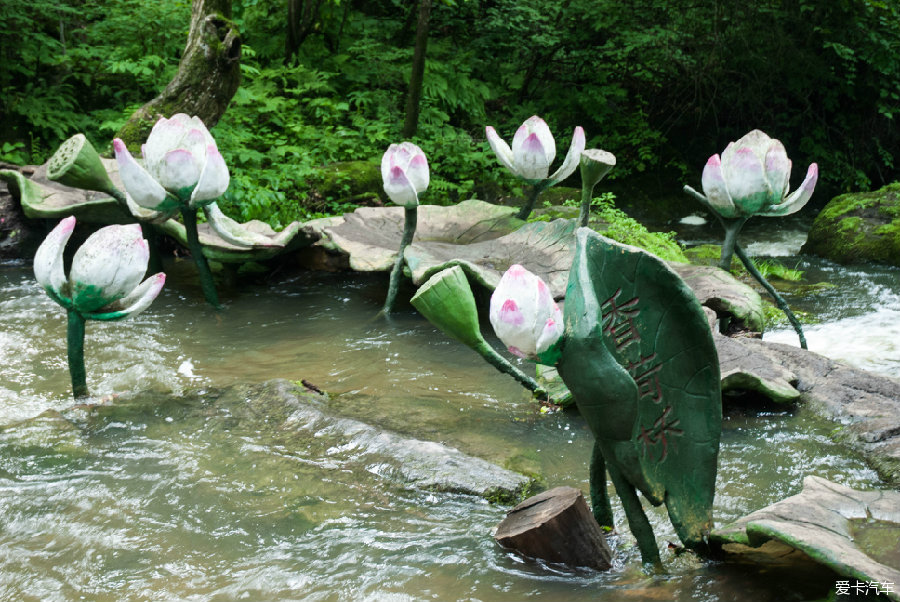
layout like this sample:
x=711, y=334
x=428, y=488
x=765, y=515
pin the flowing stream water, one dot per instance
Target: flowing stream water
x=162, y=500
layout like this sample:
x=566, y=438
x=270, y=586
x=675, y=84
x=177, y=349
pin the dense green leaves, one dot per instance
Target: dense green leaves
x=659, y=84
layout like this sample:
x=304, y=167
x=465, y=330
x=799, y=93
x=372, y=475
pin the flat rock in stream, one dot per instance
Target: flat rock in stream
x=855, y=533
x=867, y=405
x=285, y=415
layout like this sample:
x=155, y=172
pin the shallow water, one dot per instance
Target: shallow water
x=164, y=500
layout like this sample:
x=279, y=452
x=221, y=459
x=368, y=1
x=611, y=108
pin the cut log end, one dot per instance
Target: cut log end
x=556, y=526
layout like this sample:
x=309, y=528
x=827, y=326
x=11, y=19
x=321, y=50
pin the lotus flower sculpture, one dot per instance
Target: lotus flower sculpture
x=404, y=173
x=106, y=282
x=184, y=172
x=532, y=153
x=635, y=351
x=752, y=177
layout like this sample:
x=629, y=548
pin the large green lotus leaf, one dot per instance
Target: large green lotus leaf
x=370, y=236
x=544, y=248
x=855, y=533
x=44, y=198
x=640, y=361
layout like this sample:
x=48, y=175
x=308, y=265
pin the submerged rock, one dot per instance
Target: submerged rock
x=18, y=235
x=285, y=416
x=867, y=405
x=859, y=226
x=855, y=533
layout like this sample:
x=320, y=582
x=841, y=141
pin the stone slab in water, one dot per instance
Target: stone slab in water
x=866, y=405
x=283, y=412
x=832, y=525
x=556, y=526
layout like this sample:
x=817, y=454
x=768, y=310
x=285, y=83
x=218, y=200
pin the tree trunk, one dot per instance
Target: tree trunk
x=414, y=97
x=208, y=74
x=556, y=526
x=302, y=16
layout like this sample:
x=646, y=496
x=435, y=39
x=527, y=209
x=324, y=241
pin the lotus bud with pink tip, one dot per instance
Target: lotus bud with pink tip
x=404, y=172
x=182, y=166
x=106, y=282
x=532, y=153
x=752, y=178
x=183, y=171
x=525, y=317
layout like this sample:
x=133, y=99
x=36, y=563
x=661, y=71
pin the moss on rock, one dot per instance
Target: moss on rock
x=859, y=226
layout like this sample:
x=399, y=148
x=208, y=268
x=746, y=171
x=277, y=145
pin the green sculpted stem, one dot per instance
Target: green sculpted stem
x=587, y=195
x=779, y=301
x=206, y=278
x=75, y=348
x=410, y=218
x=732, y=229
x=503, y=365
x=533, y=195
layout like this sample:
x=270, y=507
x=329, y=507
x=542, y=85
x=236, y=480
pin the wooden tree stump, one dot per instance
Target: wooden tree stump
x=556, y=526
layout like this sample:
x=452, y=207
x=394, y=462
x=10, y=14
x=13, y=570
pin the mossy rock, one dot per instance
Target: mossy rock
x=348, y=180
x=859, y=227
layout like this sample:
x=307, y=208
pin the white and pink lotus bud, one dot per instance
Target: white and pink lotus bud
x=752, y=178
x=404, y=172
x=525, y=317
x=182, y=164
x=104, y=282
x=533, y=150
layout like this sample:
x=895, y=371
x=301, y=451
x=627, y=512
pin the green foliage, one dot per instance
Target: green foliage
x=614, y=223
x=73, y=66
x=622, y=228
x=661, y=85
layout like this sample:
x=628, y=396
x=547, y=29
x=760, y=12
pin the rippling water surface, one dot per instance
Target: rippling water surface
x=172, y=497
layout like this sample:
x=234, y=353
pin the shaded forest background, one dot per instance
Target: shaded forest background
x=662, y=85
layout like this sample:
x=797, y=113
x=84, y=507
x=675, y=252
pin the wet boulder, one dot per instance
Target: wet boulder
x=19, y=236
x=858, y=227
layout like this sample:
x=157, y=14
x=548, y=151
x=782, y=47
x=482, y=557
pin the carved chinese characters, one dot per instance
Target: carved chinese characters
x=639, y=358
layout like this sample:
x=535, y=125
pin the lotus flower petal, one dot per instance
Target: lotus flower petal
x=524, y=315
x=531, y=159
x=538, y=128
x=48, y=261
x=139, y=184
x=417, y=172
x=797, y=199
x=107, y=267
x=233, y=232
x=399, y=188
x=715, y=190
x=180, y=171
x=573, y=156
x=501, y=149
x=214, y=178
x=757, y=141
x=166, y=135
x=745, y=178
x=134, y=303
x=778, y=171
